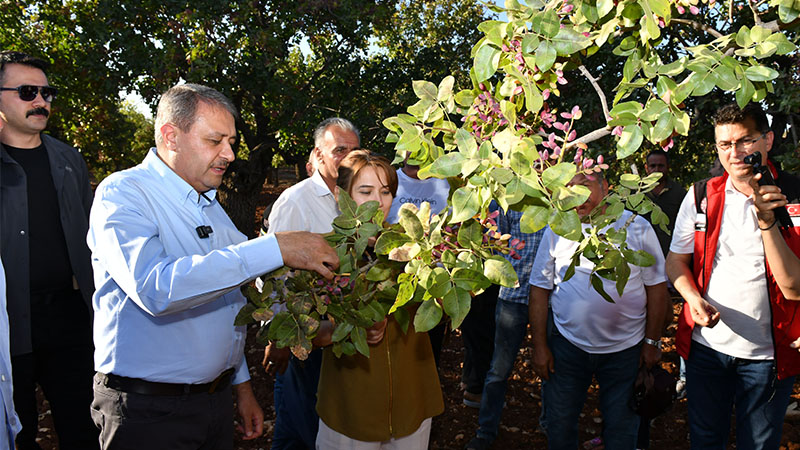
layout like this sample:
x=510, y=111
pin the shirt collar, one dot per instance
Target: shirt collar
x=173, y=184
x=320, y=187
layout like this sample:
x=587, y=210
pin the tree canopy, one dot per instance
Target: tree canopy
x=286, y=66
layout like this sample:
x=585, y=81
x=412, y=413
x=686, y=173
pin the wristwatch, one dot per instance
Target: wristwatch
x=655, y=343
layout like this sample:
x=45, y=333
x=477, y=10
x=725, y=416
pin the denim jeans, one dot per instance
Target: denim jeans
x=477, y=333
x=716, y=381
x=565, y=394
x=295, y=397
x=511, y=322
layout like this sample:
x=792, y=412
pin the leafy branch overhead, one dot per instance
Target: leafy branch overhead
x=504, y=142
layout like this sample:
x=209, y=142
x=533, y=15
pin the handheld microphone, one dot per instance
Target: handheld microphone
x=754, y=160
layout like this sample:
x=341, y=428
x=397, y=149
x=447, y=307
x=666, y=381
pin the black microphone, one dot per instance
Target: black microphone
x=204, y=231
x=754, y=160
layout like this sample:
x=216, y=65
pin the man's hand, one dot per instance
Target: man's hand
x=705, y=314
x=650, y=355
x=276, y=360
x=308, y=251
x=251, y=414
x=324, y=335
x=376, y=332
x=766, y=198
x=543, y=362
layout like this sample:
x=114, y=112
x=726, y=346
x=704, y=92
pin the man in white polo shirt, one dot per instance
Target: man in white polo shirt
x=591, y=336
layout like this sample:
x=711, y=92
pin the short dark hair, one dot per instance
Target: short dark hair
x=12, y=57
x=657, y=152
x=731, y=113
x=179, y=106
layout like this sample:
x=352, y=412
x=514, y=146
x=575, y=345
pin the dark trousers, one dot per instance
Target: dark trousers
x=295, y=397
x=132, y=421
x=477, y=333
x=65, y=376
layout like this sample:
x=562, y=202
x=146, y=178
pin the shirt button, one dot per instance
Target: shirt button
x=3, y=377
x=22, y=232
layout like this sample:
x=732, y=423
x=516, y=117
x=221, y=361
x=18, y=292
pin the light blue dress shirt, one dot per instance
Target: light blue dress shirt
x=9, y=416
x=166, y=299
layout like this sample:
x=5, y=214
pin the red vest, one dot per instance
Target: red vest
x=784, y=329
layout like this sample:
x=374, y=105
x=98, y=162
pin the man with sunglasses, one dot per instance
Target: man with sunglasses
x=737, y=326
x=44, y=213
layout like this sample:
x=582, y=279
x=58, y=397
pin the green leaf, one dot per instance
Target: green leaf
x=341, y=331
x=534, y=218
x=245, y=315
x=558, y=175
x=630, y=141
x=470, y=234
x=379, y=272
x=597, y=284
x=366, y=210
x=726, y=79
x=403, y=318
x=465, y=97
x=570, y=197
x=623, y=272
x=466, y=143
x=410, y=141
x=506, y=140
x=428, y=315
x=549, y=25
x=448, y=165
x=545, y=55
x=566, y=224
x=359, y=337
x=424, y=90
x=760, y=73
x=639, y=257
x=569, y=41
x=604, y=7
x=346, y=204
x=499, y=271
x=445, y=88
x=390, y=240
x=486, y=61
x=745, y=93
x=456, y=304
x=465, y=204
x=662, y=129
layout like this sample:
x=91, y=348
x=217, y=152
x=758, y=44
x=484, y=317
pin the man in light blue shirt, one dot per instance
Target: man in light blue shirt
x=7, y=413
x=168, y=263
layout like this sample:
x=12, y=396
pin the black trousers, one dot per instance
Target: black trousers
x=132, y=421
x=65, y=376
x=477, y=333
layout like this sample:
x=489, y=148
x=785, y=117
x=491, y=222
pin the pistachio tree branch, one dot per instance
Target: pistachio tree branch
x=699, y=26
x=590, y=137
x=754, y=9
x=597, y=88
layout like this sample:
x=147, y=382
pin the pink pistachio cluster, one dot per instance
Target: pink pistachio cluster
x=334, y=287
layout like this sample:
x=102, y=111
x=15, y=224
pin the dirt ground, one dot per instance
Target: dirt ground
x=454, y=428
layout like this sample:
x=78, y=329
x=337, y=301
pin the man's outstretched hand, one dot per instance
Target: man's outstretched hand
x=307, y=251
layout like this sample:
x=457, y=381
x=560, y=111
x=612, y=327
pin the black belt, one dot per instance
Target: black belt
x=144, y=387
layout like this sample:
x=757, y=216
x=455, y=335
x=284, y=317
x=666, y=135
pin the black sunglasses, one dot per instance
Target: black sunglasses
x=28, y=93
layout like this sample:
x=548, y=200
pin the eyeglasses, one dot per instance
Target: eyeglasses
x=28, y=93
x=747, y=143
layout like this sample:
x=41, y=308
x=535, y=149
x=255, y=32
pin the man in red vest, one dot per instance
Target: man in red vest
x=736, y=329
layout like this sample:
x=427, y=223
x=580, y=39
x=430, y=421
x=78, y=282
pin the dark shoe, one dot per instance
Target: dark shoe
x=472, y=400
x=478, y=443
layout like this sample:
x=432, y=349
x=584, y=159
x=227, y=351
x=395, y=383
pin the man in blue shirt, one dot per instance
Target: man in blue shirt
x=168, y=264
x=511, y=327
